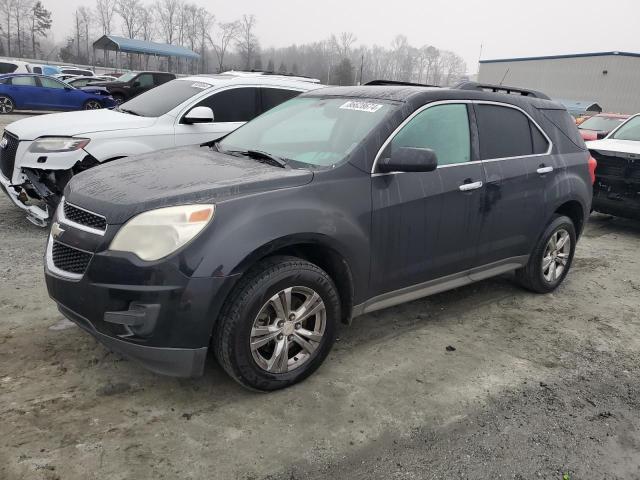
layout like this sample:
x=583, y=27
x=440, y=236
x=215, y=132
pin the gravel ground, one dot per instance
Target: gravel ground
x=537, y=387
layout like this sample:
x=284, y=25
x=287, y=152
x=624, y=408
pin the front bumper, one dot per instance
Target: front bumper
x=37, y=215
x=152, y=313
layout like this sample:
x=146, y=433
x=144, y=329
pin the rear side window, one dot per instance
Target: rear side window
x=506, y=132
x=272, y=97
x=234, y=105
x=145, y=80
x=8, y=67
x=24, y=81
x=443, y=129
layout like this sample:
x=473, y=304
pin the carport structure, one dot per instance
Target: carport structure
x=142, y=47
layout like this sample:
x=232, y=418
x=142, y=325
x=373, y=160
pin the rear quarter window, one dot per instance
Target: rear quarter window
x=6, y=67
x=565, y=124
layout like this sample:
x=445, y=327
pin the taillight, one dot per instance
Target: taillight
x=592, y=169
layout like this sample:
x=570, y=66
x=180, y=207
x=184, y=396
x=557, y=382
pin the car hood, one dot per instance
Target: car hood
x=77, y=123
x=616, y=146
x=123, y=188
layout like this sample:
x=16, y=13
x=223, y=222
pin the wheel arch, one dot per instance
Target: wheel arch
x=317, y=249
x=575, y=211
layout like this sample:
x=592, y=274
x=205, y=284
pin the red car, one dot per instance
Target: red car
x=599, y=126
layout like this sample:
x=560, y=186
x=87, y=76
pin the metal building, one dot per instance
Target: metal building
x=612, y=79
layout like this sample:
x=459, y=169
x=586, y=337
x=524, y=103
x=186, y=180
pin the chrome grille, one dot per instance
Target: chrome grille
x=70, y=259
x=83, y=217
x=9, y=147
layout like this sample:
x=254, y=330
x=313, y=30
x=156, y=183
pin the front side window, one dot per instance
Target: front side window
x=8, y=67
x=23, y=81
x=313, y=131
x=47, y=82
x=443, y=129
x=233, y=105
x=629, y=131
x=145, y=80
x=506, y=132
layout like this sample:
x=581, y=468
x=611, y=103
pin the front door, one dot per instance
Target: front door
x=425, y=225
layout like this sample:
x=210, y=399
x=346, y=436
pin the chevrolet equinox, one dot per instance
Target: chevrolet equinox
x=337, y=203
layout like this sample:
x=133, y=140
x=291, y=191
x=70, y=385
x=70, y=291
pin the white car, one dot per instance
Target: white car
x=38, y=155
x=13, y=66
x=617, y=187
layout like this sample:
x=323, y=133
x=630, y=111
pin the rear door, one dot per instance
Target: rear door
x=425, y=225
x=515, y=155
x=231, y=109
x=25, y=92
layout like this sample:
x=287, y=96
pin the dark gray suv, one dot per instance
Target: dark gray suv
x=335, y=204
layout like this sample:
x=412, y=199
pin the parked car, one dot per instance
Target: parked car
x=65, y=77
x=13, y=66
x=599, y=126
x=188, y=111
x=617, y=187
x=44, y=69
x=132, y=84
x=40, y=92
x=71, y=70
x=80, y=82
x=337, y=203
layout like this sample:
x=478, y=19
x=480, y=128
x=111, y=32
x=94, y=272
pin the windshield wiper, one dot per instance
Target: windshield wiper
x=260, y=155
x=130, y=112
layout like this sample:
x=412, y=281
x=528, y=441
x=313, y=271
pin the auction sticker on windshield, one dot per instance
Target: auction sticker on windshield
x=362, y=106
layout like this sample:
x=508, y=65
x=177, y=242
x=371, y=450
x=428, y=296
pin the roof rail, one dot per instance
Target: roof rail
x=501, y=89
x=248, y=73
x=395, y=82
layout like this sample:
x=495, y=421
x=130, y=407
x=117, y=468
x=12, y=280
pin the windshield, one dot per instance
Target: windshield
x=127, y=76
x=601, y=124
x=629, y=131
x=312, y=131
x=164, y=98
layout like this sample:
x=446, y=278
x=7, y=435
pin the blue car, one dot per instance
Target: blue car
x=40, y=92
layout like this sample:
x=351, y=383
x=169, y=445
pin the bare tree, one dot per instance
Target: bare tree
x=247, y=42
x=105, y=9
x=167, y=15
x=129, y=11
x=204, y=23
x=227, y=33
x=86, y=18
x=20, y=11
x=6, y=7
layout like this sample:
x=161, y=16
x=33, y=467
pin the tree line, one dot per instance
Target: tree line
x=222, y=45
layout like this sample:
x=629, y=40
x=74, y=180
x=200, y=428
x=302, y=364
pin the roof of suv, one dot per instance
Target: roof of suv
x=422, y=95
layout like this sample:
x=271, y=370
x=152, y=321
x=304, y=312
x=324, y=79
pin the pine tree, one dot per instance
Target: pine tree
x=40, y=24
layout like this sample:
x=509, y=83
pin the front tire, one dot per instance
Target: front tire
x=551, y=258
x=6, y=105
x=278, y=325
x=92, y=105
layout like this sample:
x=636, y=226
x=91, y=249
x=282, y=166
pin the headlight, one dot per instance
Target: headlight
x=157, y=233
x=58, y=144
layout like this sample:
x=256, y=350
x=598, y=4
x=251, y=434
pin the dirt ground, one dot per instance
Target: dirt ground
x=537, y=387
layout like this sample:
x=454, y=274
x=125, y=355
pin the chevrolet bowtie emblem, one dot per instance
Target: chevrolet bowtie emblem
x=56, y=230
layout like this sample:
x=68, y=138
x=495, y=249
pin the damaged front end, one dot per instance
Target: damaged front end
x=617, y=187
x=35, y=190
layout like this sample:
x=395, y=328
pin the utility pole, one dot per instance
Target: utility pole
x=361, y=68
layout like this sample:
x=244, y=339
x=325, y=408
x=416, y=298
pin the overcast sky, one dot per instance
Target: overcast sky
x=505, y=28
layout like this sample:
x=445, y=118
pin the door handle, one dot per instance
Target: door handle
x=542, y=170
x=465, y=187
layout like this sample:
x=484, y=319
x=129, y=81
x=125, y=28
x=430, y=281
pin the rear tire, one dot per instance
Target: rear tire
x=551, y=258
x=6, y=105
x=278, y=325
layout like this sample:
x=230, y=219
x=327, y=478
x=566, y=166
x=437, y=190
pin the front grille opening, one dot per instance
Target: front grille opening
x=8, y=154
x=83, y=217
x=70, y=259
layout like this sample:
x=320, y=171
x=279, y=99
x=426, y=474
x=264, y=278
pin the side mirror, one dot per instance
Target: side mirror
x=199, y=115
x=135, y=84
x=601, y=135
x=408, y=159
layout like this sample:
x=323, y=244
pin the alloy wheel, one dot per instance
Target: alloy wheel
x=6, y=105
x=92, y=105
x=556, y=255
x=288, y=330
